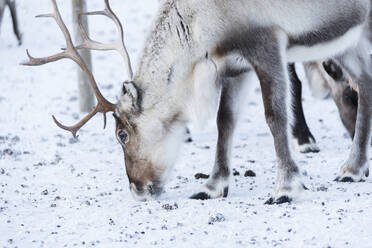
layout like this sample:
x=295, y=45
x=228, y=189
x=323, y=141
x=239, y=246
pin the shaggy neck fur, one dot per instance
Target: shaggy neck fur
x=167, y=56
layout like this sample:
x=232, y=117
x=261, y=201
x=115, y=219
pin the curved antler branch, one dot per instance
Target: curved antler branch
x=119, y=46
x=103, y=105
x=41, y=61
x=75, y=128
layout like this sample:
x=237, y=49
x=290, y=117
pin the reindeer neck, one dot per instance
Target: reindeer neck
x=167, y=52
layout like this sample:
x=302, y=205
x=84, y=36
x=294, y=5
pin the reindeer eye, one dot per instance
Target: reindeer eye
x=123, y=136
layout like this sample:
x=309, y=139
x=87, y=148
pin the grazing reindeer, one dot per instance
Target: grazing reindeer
x=187, y=61
x=345, y=95
x=13, y=11
x=324, y=79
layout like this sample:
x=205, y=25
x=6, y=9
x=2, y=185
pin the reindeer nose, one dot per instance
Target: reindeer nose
x=134, y=188
x=150, y=192
x=138, y=195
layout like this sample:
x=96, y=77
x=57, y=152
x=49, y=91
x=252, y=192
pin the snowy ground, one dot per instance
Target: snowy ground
x=59, y=192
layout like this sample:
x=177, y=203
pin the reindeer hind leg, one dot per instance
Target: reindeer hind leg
x=304, y=141
x=357, y=63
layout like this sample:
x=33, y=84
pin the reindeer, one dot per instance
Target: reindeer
x=13, y=11
x=325, y=78
x=197, y=58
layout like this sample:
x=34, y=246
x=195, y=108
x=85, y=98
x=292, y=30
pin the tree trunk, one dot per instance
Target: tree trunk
x=86, y=95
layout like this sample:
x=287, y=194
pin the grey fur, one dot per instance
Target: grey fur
x=331, y=30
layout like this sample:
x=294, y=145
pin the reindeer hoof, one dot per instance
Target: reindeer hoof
x=304, y=187
x=353, y=174
x=349, y=177
x=348, y=180
x=200, y=196
x=270, y=201
x=280, y=200
x=307, y=147
x=345, y=180
x=207, y=196
x=311, y=148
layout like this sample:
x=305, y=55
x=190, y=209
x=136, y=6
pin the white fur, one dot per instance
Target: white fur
x=345, y=172
x=323, y=51
x=295, y=185
x=312, y=146
x=206, y=91
x=127, y=100
x=318, y=79
x=165, y=152
x=160, y=144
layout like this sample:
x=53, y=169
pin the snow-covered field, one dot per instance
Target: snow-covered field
x=59, y=192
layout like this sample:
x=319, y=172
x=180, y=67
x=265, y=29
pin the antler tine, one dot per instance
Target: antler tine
x=41, y=61
x=119, y=46
x=103, y=106
x=62, y=26
x=89, y=43
x=75, y=128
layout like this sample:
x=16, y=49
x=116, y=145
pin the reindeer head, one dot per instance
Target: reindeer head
x=144, y=167
x=144, y=178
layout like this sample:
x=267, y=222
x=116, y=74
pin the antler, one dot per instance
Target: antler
x=119, y=46
x=103, y=106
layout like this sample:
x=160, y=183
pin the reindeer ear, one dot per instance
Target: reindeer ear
x=129, y=98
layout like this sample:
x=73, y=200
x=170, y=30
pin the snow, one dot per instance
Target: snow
x=59, y=192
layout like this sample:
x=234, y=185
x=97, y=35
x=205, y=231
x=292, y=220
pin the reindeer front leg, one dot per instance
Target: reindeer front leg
x=271, y=68
x=218, y=183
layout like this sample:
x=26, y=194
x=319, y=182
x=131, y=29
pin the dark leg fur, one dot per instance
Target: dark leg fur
x=300, y=130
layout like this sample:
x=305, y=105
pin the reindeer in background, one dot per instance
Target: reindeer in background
x=13, y=12
x=325, y=78
x=197, y=58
